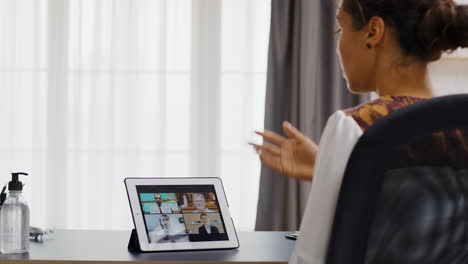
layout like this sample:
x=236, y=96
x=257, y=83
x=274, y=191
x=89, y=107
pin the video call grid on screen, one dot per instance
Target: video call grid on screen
x=177, y=218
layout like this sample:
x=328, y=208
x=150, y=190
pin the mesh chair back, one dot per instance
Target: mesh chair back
x=404, y=195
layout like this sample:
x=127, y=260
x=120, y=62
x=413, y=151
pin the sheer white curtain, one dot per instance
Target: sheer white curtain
x=93, y=91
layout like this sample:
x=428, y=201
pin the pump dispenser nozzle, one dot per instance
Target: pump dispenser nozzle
x=15, y=184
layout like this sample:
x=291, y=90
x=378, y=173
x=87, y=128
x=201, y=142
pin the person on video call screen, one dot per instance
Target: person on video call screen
x=200, y=203
x=206, y=230
x=159, y=207
x=168, y=233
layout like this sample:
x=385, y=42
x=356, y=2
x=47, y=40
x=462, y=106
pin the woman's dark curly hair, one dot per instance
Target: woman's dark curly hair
x=424, y=28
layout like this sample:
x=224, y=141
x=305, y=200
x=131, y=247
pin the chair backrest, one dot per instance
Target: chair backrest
x=404, y=195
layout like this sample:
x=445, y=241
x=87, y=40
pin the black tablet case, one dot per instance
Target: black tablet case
x=134, y=243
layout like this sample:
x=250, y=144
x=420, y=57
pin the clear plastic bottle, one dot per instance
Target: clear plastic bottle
x=14, y=221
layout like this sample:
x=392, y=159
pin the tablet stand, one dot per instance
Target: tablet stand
x=134, y=243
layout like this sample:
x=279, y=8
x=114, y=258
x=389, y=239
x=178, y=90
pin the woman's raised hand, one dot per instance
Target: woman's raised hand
x=292, y=156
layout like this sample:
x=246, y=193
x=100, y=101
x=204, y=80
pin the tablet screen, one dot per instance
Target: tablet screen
x=181, y=213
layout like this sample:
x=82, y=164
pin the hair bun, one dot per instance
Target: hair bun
x=443, y=27
x=461, y=30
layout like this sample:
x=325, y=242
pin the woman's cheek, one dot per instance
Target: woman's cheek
x=342, y=55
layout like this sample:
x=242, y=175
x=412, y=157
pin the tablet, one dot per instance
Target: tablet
x=181, y=214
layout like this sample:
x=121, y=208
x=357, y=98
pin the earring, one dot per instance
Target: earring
x=369, y=46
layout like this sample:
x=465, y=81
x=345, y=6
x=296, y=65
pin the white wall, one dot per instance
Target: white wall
x=449, y=76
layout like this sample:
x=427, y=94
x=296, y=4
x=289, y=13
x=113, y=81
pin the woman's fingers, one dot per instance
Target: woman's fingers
x=292, y=132
x=270, y=161
x=270, y=148
x=272, y=137
x=269, y=156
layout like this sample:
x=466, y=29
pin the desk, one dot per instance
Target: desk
x=79, y=246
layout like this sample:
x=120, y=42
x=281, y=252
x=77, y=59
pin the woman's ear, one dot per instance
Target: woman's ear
x=375, y=32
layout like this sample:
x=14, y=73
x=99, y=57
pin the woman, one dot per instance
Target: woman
x=385, y=47
x=206, y=230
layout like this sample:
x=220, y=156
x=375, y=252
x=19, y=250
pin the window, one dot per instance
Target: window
x=96, y=91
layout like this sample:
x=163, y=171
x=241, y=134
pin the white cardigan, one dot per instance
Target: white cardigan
x=338, y=139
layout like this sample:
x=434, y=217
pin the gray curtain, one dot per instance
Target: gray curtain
x=304, y=86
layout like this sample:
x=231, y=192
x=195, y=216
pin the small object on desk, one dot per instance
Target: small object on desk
x=40, y=234
x=293, y=236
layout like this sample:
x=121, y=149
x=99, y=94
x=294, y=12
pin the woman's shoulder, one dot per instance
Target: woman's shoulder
x=368, y=113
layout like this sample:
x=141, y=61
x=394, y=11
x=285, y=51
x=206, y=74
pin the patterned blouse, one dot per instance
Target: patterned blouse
x=367, y=114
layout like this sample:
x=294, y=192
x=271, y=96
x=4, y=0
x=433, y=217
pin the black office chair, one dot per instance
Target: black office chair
x=404, y=195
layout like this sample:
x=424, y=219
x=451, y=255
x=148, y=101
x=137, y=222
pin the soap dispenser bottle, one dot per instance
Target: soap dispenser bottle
x=14, y=219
